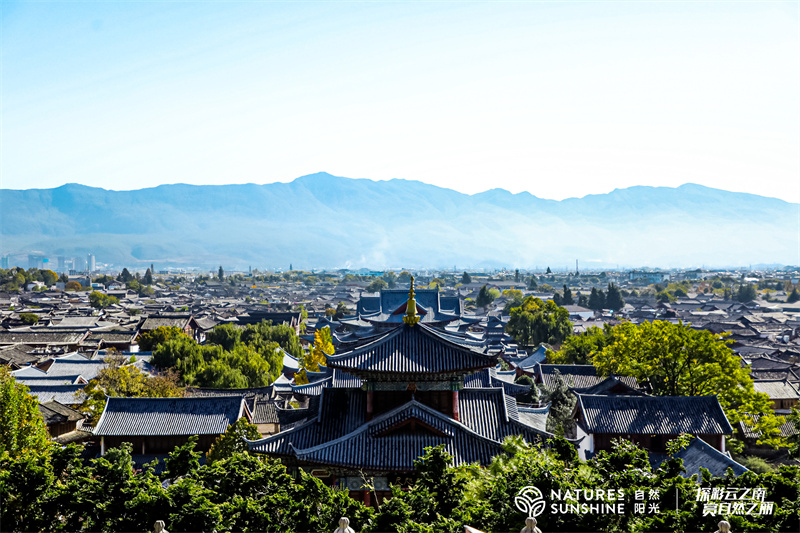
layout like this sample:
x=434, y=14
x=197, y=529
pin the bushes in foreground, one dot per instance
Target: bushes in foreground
x=56, y=491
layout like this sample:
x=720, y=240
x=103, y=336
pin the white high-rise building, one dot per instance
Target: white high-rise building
x=90, y=263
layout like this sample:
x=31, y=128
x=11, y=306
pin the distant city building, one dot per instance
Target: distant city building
x=647, y=276
x=4, y=262
x=90, y=263
x=79, y=264
x=36, y=260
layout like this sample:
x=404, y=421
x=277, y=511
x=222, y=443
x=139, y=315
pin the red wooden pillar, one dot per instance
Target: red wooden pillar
x=455, y=405
x=366, y=498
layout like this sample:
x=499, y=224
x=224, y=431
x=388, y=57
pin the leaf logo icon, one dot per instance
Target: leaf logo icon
x=530, y=501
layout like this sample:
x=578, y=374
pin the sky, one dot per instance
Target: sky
x=560, y=99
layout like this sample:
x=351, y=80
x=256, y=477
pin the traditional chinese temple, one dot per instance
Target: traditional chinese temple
x=385, y=401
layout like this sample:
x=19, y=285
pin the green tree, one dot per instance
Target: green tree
x=148, y=277
x=665, y=297
x=390, y=278
x=486, y=296
x=125, y=276
x=597, y=299
x=536, y=321
x=746, y=293
x=341, y=311
x=515, y=299
x=517, y=276
x=29, y=318
x=793, y=297
x=562, y=403
x=466, y=278
x=377, y=285
x=548, y=271
x=22, y=429
x=232, y=441
x=579, y=349
x=567, y=297
x=532, y=283
x=261, y=336
x=49, y=277
x=72, y=286
x=98, y=300
x=150, y=340
x=225, y=335
x=679, y=361
x=221, y=274
x=127, y=381
x=614, y=298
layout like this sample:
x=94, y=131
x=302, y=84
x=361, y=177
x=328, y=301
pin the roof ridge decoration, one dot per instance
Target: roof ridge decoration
x=411, y=317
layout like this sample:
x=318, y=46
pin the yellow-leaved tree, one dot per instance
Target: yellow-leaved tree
x=311, y=360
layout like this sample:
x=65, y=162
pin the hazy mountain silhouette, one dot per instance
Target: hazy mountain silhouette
x=326, y=221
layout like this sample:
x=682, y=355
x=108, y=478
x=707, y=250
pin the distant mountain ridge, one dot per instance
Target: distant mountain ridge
x=322, y=220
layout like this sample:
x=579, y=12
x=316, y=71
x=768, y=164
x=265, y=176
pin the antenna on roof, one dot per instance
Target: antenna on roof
x=411, y=317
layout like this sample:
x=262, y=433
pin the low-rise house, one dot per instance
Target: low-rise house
x=59, y=418
x=158, y=425
x=783, y=394
x=650, y=421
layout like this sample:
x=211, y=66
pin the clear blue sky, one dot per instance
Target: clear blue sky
x=558, y=98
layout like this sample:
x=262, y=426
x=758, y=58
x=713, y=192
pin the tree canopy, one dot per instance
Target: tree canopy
x=679, y=361
x=22, y=429
x=119, y=379
x=234, y=357
x=486, y=296
x=536, y=321
x=377, y=285
x=98, y=300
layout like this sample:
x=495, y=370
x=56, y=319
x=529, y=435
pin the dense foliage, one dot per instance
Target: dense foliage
x=235, y=358
x=316, y=356
x=14, y=279
x=98, y=300
x=22, y=431
x=675, y=360
x=536, y=321
x=49, y=488
x=119, y=379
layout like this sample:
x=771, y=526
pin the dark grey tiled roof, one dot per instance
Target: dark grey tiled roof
x=17, y=355
x=577, y=376
x=535, y=417
x=787, y=428
x=264, y=412
x=610, y=385
x=151, y=323
x=418, y=350
x=196, y=392
x=370, y=448
x=490, y=378
x=55, y=413
x=209, y=415
x=653, y=415
x=42, y=337
x=486, y=413
x=64, y=394
x=701, y=454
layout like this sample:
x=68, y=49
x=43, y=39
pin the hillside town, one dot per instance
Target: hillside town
x=364, y=371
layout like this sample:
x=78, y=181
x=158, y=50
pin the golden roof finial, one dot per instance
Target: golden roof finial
x=411, y=317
